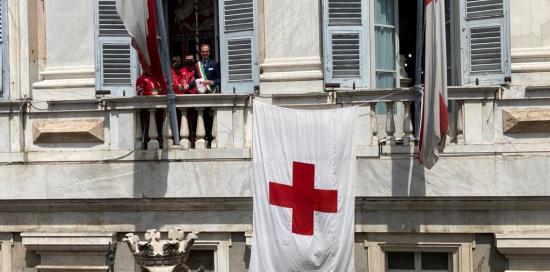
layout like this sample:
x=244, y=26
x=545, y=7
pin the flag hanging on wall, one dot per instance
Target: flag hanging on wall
x=139, y=18
x=304, y=198
x=434, y=116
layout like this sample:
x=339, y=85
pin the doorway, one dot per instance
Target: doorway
x=191, y=23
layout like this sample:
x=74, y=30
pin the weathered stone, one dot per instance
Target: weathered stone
x=68, y=131
x=526, y=121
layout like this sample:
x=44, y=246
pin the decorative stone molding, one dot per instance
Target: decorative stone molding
x=526, y=120
x=525, y=252
x=6, y=242
x=529, y=60
x=459, y=246
x=68, y=131
x=66, y=77
x=296, y=69
x=157, y=255
x=523, y=244
x=83, y=252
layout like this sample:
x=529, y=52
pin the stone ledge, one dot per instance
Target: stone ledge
x=520, y=244
x=64, y=268
x=535, y=120
x=92, y=241
x=245, y=203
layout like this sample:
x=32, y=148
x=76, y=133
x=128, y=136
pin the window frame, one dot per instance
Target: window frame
x=459, y=245
x=418, y=259
x=372, y=44
x=5, y=48
x=133, y=60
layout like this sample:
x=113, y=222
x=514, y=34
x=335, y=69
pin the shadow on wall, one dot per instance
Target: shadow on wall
x=407, y=175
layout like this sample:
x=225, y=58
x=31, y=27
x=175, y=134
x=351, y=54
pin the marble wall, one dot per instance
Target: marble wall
x=530, y=29
x=70, y=51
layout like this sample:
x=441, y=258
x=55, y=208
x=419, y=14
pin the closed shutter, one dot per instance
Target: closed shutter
x=345, y=26
x=240, y=71
x=485, y=42
x=116, y=60
x=4, y=82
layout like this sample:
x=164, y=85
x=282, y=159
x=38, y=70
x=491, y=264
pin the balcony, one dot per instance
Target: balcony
x=222, y=122
x=491, y=145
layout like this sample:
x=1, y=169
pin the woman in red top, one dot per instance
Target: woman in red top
x=188, y=74
x=177, y=79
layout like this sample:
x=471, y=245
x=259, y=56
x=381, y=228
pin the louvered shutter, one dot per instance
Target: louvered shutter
x=240, y=71
x=4, y=82
x=345, y=31
x=116, y=60
x=485, y=42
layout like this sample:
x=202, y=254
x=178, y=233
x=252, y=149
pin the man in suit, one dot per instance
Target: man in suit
x=209, y=70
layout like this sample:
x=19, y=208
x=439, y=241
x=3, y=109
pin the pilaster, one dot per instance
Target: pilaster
x=291, y=49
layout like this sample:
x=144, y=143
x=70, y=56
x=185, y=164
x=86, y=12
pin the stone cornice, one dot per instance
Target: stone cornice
x=245, y=203
x=521, y=244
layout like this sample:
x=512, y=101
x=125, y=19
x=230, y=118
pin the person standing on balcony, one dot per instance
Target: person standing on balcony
x=146, y=85
x=188, y=74
x=209, y=70
x=177, y=77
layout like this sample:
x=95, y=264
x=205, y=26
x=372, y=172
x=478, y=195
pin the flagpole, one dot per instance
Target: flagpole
x=197, y=41
x=418, y=63
x=165, y=63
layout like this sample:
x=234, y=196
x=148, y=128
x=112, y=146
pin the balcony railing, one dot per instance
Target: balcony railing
x=224, y=121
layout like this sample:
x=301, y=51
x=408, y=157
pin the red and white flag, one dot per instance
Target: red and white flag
x=304, y=189
x=140, y=21
x=434, y=116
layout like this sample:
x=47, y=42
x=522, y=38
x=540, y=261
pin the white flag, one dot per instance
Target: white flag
x=304, y=194
x=434, y=116
x=135, y=15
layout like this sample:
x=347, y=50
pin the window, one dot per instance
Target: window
x=479, y=55
x=4, y=59
x=385, y=31
x=346, y=47
x=116, y=60
x=419, y=262
x=201, y=261
x=229, y=26
x=485, y=41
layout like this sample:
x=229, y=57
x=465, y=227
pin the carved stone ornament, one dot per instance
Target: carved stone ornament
x=155, y=255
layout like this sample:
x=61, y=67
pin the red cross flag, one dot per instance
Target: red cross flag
x=304, y=178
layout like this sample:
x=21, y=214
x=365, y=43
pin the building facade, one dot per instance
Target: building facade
x=82, y=163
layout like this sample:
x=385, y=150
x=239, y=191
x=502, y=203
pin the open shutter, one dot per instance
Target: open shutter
x=345, y=31
x=4, y=82
x=240, y=71
x=116, y=60
x=485, y=42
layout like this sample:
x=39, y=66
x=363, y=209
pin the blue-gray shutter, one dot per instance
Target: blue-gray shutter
x=345, y=35
x=116, y=60
x=240, y=70
x=4, y=50
x=485, y=42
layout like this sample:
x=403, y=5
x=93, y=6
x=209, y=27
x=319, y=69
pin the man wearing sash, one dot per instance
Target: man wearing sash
x=209, y=71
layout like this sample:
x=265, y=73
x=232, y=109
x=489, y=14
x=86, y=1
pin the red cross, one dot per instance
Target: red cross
x=303, y=198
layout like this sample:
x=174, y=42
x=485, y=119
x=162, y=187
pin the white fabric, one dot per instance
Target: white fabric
x=434, y=107
x=325, y=138
x=134, y=15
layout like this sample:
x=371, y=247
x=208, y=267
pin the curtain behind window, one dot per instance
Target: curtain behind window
x=384, y=29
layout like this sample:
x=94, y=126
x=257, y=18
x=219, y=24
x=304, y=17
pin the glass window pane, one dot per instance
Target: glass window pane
x=435, y=261
x=385, y=48
x=201, y=260
x=400, y=260
x=385, y=80
x=384, y=12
